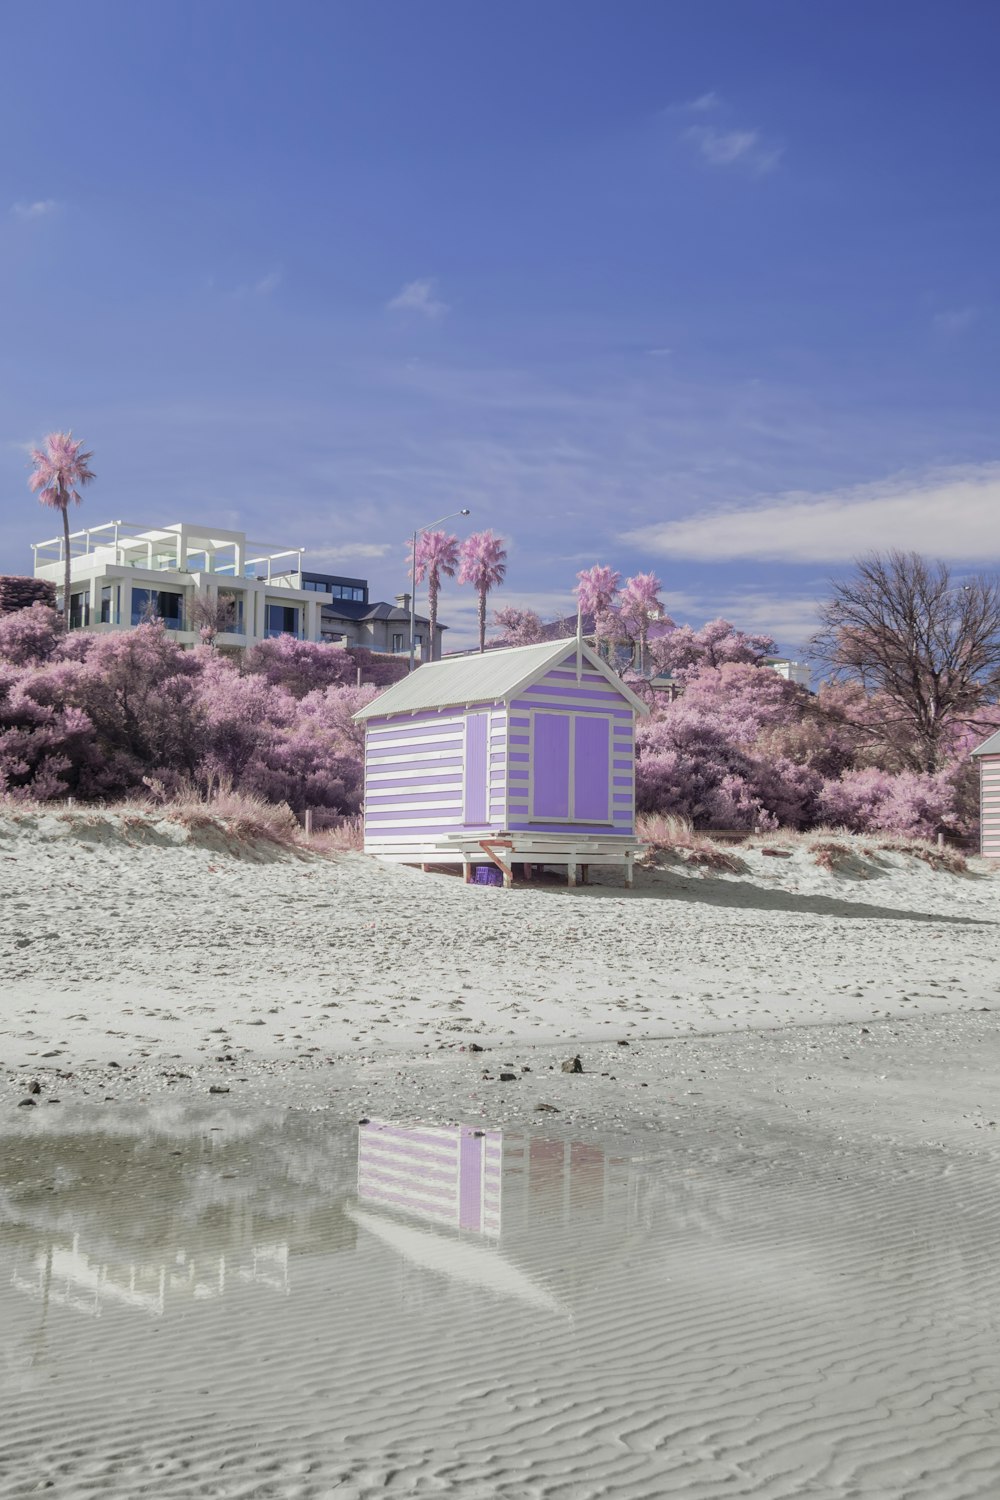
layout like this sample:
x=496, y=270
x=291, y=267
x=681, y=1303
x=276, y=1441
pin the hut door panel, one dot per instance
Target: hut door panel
x=592, y=769
x=477, y=772
x=551, y=766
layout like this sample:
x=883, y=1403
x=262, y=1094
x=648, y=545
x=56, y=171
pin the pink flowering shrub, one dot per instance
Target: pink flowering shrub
x=300, y=666
x=30, y=636
x=98, y=716
x=914, y=803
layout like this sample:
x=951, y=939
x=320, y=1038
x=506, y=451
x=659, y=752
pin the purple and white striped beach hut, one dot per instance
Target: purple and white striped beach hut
x=524, y=755
x=988, y=755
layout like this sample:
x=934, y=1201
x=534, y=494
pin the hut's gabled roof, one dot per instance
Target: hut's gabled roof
x=990, y=746
x=485, y=678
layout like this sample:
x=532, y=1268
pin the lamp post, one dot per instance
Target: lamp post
x=413, y=578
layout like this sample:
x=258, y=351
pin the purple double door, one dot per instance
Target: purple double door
x=571, y=764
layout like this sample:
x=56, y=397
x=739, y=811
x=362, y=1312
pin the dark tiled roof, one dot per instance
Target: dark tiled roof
x=347, y=609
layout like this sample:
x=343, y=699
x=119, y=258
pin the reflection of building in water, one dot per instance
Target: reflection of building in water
x=449, y=1174
x=66, y=1276
x=120, y=1224
x=450, y=1178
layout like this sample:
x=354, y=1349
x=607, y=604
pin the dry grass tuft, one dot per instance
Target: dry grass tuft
x=938, y=856
x=709, y=856
x=830, y=854
x=344, y=837
x=666, y=835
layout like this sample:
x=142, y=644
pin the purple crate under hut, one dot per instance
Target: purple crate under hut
x=521, y=756
x=988, y=755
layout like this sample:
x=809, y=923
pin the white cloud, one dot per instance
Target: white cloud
x=418, y=297
x=949, y=513
x=267, y=284
x=956, y=320
x=726, y=148
x=316, y=556
x=39, y=209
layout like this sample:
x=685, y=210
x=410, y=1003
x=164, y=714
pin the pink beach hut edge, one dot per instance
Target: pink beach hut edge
x=520, y=755
x=988, y=755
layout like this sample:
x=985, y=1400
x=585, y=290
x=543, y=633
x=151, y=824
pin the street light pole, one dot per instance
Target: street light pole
x=413, y=579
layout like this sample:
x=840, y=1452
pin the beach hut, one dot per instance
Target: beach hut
x=988, y=755
x=523, y=755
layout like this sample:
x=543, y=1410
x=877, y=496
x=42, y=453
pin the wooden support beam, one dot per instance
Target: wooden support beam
x=491, y=846
x=571, y=873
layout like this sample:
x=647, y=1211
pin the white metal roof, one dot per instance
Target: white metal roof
x=484, y=678
x=990, y=746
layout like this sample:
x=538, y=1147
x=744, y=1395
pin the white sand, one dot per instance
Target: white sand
x=765, y=1266
x=126, y=946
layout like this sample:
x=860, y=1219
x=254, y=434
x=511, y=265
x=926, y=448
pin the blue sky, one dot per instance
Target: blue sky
x=704, y=287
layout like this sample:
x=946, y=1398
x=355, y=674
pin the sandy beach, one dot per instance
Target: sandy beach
x=133, y=941
x=748, y=1250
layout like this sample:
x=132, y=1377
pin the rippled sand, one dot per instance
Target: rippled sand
x=197, y=1302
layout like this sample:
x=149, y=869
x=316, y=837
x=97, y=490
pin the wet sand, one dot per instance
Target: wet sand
x=200, y=1299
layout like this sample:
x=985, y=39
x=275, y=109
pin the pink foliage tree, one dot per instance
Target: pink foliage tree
x=519, y=627
x=714, y=644
x=59, y=468
x=436, y=558
x=483, y=559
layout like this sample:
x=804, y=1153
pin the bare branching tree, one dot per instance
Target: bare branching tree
x=212, y=615
x=929, y=647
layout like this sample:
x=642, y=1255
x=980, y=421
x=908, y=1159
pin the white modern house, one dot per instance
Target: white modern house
x=122, y=575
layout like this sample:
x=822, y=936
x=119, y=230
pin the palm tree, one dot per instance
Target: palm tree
x=59, y=468
x=640, y=603
x=484, y=565
x=597, y=595
x=437, y=555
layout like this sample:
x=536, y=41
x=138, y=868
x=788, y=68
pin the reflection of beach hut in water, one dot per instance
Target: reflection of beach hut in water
x=988, y=755
x=524, y=755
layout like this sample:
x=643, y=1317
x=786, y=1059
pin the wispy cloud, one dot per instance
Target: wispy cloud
x=262, y=287
x=728, y=148
x=955, y=320
x=347, y=550
x=418, y=297
x=948, y=513
x=41, y=208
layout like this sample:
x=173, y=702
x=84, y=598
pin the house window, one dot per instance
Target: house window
x=109, y=604
x=397, y=641
x=158, y=604
x=79, y=610
x=282, y=619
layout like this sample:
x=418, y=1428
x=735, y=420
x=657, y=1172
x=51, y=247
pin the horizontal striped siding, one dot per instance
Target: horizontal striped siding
x=989, y=806
x=569, y=830
x=402, y=723
x=427, y=1173
x=415, y=774
x=414, y=786
x=582, y=705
